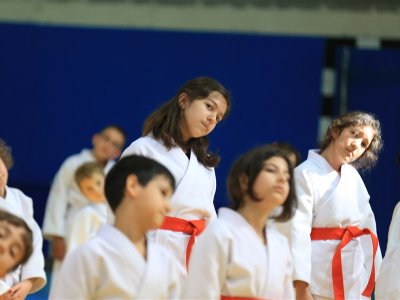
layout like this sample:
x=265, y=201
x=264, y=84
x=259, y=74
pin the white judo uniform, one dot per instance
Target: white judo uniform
x=394, y=230
x=110, y=267
x=65, y=199
x=388, y=283
x=194, y=193
x=21, y=205
x=85, y=224
x=331, y=200
x=231, y=260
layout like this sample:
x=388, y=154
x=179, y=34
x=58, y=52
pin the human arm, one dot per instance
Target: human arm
x=300, y=229
x=57, y=201
x=302, y=290
x=394, y=229
x=77, y=276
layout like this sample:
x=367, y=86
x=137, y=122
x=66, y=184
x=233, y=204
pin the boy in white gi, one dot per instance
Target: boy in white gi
x=176, y=136
x=30, y=276
x=65, y=199
x=119, y=262
x=90, y=179
x=239, y=256
x=333, y=233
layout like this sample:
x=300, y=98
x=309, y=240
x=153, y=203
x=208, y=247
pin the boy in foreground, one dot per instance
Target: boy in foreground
x=119, y=263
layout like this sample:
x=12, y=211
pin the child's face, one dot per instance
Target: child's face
x=3, y=177
x=200, y=116
x=352, y=142
x=12, y=247
x=107, y=144
x=93, y=187
x=272, y=183
x=153, y=201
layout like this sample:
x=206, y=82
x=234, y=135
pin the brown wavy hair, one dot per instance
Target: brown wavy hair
x=353, y=119
x=164, y=123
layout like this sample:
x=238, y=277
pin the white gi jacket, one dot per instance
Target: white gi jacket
x=194, y=194
x=394, y=230
x=327, y=199
x=21, y=205
x=85, y=224
x=388, y=284
x=231, y=260
x=110, y=267
x=65, y=198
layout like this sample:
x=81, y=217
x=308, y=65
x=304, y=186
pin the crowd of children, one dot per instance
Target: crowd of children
x=145, y=227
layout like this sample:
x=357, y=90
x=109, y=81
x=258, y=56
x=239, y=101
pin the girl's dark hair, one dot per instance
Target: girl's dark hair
x=27, y=238
x=353, y=119
x=251, y=164
x=145, y=170
x=289, y=149
x=5, y=154
x=164, y=123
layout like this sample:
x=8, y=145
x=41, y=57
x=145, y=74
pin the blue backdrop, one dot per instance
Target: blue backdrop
x=374, y=85
x=62, y=84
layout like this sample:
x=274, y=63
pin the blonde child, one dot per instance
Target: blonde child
x=90, y=179
x=239, y=256
x=30, y=276
x=119, y=262
x=333, y=233
x=176, y=136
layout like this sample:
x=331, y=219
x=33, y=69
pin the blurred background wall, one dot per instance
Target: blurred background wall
x=68, y=68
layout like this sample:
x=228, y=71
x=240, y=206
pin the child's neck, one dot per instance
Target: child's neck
x=133, y=233
x=256, y=219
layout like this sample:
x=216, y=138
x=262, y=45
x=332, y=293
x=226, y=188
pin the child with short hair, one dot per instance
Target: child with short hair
x=90, y=179
x=240, y=256
x=119, y=262
x=176, y=135
x=15, y=242
x=30, y=276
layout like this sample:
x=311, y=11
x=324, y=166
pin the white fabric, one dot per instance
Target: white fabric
x=388, y=283
x=327, y=199
x=85, y=224
x=194, y=194
x=64, y=196
x=110, y=267
x=231, y=260
x=21, y=205
x=394, y=230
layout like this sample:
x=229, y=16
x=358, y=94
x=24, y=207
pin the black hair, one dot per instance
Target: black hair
x=250, y=164
x=145, y=170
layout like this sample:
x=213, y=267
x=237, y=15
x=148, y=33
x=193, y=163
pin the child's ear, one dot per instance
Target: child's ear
x=243, y=182
x=132, y=185
x=335, y=133
x=183, y=100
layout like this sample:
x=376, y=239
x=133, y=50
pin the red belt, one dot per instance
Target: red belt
x=192, y=227
x=240, y=298
x=345, y=235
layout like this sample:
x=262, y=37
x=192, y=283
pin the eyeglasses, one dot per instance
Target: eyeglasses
x=107, y=139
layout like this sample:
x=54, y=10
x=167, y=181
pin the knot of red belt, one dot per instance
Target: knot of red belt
x=345, y=235
x=191, y=227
